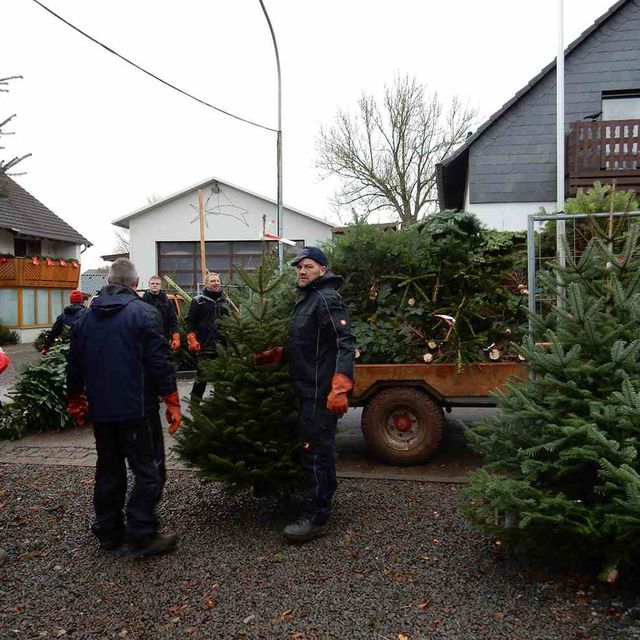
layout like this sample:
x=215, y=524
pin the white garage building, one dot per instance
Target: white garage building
x=165, y=235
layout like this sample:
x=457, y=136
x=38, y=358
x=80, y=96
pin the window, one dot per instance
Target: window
x=621, y=105
x=181, y=260
x=42, y=307
x=28, y=307
x=9, y=307
x=23, y=247
x=57, y=302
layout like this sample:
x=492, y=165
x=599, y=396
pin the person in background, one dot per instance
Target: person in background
x=69, y=316
x=203, y=334
x=5, y=361
x=156, y=297
x=321, y=354
x=118, y=365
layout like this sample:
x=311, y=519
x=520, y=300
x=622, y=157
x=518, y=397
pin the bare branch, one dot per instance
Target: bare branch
x=386, y=151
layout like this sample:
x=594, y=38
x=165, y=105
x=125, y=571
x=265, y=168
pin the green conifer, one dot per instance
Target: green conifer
x=244, y=433
x=561, y=453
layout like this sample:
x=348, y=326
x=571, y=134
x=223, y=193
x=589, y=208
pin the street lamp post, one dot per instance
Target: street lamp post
x=279, y=228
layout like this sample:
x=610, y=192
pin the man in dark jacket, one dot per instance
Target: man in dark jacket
x=320, y=352
x=69, y=316
x=120, y=360
x=202, y=325
x=158, y=299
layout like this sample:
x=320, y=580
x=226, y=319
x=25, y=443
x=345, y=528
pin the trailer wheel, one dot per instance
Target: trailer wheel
x=402, y=426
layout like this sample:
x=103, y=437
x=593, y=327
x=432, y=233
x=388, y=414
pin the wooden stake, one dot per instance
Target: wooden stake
x=203, y=249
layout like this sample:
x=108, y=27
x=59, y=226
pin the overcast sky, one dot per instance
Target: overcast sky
x=105, y=137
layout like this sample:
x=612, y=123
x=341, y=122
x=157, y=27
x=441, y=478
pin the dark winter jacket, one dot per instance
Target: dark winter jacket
x=204, y=312
x=320, y=339
x=71, y=314
x=119, y=357
x=167, y=310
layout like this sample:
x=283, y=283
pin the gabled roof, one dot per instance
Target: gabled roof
x=533, y=82
x=124, y=220
x=21, y=213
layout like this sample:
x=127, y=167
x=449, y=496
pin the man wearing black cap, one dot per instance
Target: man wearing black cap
x=321, y=353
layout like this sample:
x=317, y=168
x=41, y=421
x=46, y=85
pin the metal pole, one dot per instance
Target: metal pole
x=560, y=158
x=279, y=227
x=531, y=268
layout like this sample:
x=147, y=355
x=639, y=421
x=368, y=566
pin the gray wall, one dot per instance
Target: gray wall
x=515, y=159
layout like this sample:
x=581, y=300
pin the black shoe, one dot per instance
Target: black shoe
x=305, y=528
x=156, y=545
x=111, y=544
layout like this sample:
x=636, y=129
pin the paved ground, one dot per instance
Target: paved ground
x=75, y=447
x=451, y=464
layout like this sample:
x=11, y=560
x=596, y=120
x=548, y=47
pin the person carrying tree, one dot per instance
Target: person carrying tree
x=203, y=334
x=118, y=367
x=70, y=315
x=321, y=353
x=157, y=298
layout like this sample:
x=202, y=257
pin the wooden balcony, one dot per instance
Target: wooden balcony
x=603, y=150
x=27, y=272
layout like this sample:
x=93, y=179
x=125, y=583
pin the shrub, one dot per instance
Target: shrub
x=39, y=398
x=7, y=336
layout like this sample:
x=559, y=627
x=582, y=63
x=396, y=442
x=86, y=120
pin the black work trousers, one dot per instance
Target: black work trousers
x=317, y=436
x=200, y=383
x=141, y=444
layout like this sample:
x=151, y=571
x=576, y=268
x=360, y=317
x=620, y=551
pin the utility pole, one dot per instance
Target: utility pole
x=279, y=226
x=203, y=246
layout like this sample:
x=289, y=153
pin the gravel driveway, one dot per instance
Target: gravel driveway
x=399, y=563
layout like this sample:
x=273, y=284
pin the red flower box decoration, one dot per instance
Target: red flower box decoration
x=74, y=264
x=63, y=263
x=49, y=262
x=35, y=260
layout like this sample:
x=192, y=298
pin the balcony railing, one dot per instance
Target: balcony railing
x=603, y=150
x=31, y=272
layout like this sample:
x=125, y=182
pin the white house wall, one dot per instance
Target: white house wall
x=505, y=216
x=177, y=221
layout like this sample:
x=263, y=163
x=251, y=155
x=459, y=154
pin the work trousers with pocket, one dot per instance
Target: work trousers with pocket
x=141, y=444
x=317, y=436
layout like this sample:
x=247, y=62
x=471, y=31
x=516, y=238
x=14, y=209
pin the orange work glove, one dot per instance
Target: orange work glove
x=337, y=401
x=175, y=341
x=78, y=408
x=270, y=356
x=192, y=341
x=174, y=415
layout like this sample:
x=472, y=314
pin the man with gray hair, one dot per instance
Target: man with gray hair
x=119, y=366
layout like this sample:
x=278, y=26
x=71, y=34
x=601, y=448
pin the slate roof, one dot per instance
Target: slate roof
x=451, y=172
x=92, y=280
x=21, y=213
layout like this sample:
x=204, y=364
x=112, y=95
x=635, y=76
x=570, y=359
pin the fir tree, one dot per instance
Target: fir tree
x=561, y=451
x=244, y=434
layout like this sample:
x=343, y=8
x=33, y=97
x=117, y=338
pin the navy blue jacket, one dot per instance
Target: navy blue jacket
x=320, y=340
x=167, y=311
x=71, y=314
x=204, y=312
x=119, y=357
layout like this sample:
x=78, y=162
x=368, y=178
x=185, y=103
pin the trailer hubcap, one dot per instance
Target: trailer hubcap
x=402, y=425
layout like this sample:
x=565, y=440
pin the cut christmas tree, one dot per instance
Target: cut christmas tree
x=561, y=452
x=244, y=433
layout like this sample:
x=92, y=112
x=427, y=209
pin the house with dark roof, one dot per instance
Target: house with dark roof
x=39, y=261
x=507, y=168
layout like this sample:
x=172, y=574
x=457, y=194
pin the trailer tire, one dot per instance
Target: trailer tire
x=402, y=426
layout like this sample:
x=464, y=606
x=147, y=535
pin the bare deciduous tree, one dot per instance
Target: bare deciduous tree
x=6, y=165
x=122, y=242
x=386, y=152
